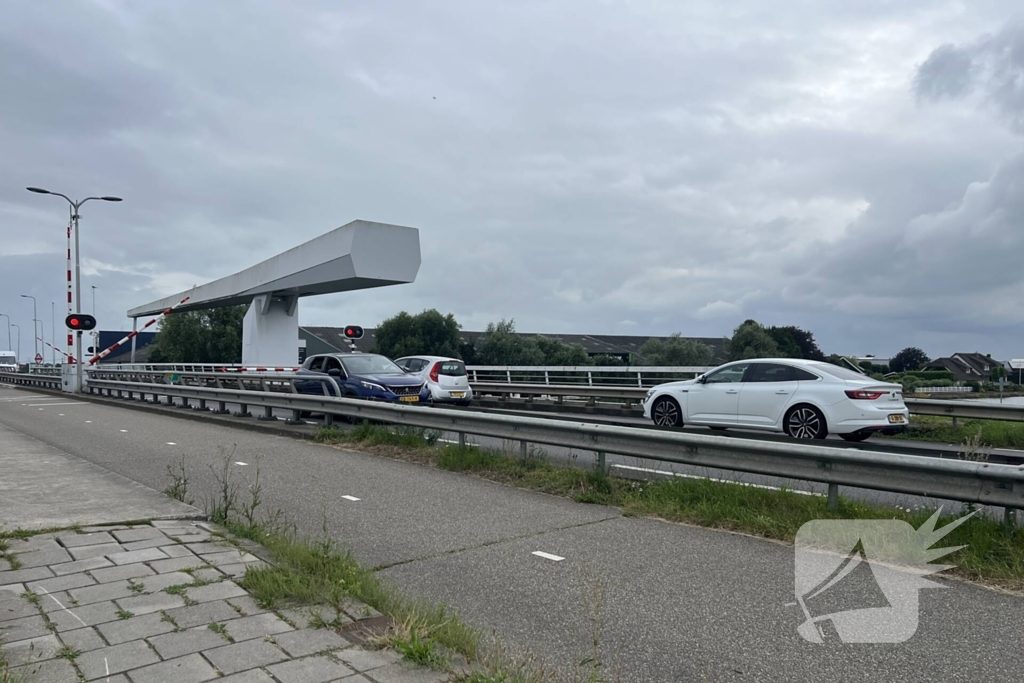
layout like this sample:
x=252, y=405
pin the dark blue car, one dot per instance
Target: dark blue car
x=362, y=375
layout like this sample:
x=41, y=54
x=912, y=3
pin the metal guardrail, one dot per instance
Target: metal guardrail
x=636, y=376
x=969, y=482
x=31, y=379
x=247, y=381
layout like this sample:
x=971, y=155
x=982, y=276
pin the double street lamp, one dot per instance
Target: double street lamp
x=19, y=340
x=9, y=347
x=74, y=206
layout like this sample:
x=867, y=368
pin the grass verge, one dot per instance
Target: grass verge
x=994, y=552
x=994, y=433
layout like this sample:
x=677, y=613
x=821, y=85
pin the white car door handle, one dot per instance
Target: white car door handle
x=781, y=391
x=732, y=391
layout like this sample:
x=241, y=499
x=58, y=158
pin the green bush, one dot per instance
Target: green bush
x=930, y=374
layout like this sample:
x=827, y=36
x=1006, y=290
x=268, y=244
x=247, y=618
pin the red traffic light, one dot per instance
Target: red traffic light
x=353, y=332
x=78, y=321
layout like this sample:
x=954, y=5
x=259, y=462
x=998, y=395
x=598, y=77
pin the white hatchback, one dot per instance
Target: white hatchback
x=446, y=377
x=802, y=398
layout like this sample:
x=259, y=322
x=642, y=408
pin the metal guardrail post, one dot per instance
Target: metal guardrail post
x=462, y=439
x=222, y=408
x=523, y=449
x=243, y=411
x=602, y=466
x=833, y=496
x=268, y=414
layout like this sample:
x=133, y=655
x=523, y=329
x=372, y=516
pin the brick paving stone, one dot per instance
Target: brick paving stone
x=83, y=639
x=402, y=672
x=239, y=570
x=203, y=614
x=115, y=659
x=4, y=565
x=111, y=527
x=250, y=676
x=144, y=626
x=140, y=533
x=23, y=575
x=51, y=602
x=170, y=523
x=37, y=542
x=16, y=588
x=176, y=564
x=147, y=543
x=310, y=641
x=155, y=602
x=310, y=670
x=87, y=552
x=186, y=642
x=152, y=584
x=147, y=555
x=216, y=591
x=248, y=606
x=241, y=656
x=129, y=571
x=62, y=583
x=208, y=574
x=24, y=628
x=257, y=626
x=367, y=660
x=209, y=548
x=50, y=671
x=80, y=566
x=77, y=540
x=79, y=617
x=15, y=607
x=31, y=650
x=229, y=557
x=192, y=535
x=190, y=669
x=179, y=551
x=41, y=558
x=101, y=591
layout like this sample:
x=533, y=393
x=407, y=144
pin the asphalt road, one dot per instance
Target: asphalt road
x=676, y=603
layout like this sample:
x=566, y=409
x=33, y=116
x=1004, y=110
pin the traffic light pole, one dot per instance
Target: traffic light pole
x=78, y=298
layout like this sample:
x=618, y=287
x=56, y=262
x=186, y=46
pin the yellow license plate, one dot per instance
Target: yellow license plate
x=410, y=399
x=458, y=394
x=897, y=419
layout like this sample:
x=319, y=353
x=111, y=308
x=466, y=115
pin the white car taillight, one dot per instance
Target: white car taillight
x=859, y=394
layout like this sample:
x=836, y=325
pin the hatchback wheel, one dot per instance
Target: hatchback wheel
x=805, y=422
x=666, y=413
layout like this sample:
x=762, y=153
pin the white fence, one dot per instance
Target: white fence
x=942, y=390
x=634, y=376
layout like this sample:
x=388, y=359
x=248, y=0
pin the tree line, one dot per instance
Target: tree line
x=215, y=336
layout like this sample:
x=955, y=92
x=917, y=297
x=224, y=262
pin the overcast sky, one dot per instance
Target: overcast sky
x=856, y=169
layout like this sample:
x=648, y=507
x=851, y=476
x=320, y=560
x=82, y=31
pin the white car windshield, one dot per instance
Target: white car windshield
x=370, y=365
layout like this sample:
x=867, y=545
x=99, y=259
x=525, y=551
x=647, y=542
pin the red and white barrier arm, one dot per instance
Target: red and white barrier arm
x=106, y=352
x=55, y=348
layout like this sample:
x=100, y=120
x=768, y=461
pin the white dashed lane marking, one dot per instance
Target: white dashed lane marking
x=171, y=443
x=243, y=464
x=124, y=431
x=547, y=556
x=352, y=498
x=65, y=403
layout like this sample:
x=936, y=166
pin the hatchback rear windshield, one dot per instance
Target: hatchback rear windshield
x=453, y=369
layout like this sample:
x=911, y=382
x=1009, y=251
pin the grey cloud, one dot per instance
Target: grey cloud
x=682, y=167
x=946, y=73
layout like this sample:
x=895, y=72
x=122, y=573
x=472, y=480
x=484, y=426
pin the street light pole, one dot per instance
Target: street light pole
x=9, y=347
x=35, y=319
x=53, y=332
x=19, y=341
x=94, y=300
x=75, y=206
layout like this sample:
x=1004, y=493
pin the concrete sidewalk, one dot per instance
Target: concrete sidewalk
x=42, y=487
x=152, y=601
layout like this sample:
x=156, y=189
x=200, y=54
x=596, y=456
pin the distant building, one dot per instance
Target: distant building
x=968, y=367
x=314, y=340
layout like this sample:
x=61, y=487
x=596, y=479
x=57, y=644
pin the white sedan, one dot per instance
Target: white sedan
x=802, y=398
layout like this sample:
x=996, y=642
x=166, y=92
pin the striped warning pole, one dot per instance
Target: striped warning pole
x=71, y=338
x=106, y=352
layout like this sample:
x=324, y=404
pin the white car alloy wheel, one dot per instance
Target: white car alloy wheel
x=804, y=422
x=665, y=412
